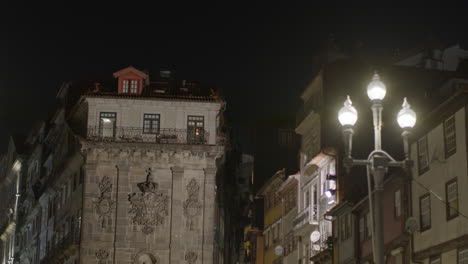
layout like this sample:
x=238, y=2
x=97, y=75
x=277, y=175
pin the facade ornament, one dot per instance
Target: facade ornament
x=104, y=203
x=192, y=205
x=144, y=257
x=148, y=208
x=102, y=255
x=191, y=257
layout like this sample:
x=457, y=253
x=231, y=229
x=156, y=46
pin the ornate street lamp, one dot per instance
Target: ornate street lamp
x=378, y=160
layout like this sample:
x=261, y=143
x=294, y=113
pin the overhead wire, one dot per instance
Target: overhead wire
x=439, y=198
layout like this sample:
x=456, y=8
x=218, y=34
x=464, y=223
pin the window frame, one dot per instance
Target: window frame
x=192, y=138
x=109, y=115
x=125, y=86
x=424, y=228
x=451, y=216
x=134, y=86
x=423, y=170
x=128, y=86
x=449, y=153
x=459, y=251
x=148, y=117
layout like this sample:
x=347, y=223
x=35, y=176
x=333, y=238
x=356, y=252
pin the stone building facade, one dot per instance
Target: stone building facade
x=126, y=171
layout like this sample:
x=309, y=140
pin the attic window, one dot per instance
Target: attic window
x=131, y=85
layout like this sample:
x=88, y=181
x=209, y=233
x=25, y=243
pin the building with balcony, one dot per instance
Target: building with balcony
x=316, y=195
x=127, y=170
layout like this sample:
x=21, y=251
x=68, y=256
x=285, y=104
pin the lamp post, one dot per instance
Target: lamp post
x=378, y=160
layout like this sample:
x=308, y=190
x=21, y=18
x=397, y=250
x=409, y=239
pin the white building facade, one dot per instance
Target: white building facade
x=440, y=181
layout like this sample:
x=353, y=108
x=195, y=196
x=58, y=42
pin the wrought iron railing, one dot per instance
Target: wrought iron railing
x=138, y=134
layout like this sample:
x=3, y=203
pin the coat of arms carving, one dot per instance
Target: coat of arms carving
x=148, y=208
x=103, y=205
x=192, y=205
x=191, y=257
x=102, y=256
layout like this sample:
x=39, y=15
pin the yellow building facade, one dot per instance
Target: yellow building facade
x=273, y=210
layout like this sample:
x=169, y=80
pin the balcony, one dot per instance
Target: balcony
x=136, y=134
x=306, y=219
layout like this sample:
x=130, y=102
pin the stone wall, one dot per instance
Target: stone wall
x=162, y=198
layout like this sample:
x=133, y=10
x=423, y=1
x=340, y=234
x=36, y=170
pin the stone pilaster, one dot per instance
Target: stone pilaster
x=176, y=230
x=208, y=215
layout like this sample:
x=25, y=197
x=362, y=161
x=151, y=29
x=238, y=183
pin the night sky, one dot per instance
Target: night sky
x=261, y=56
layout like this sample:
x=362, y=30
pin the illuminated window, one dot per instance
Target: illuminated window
x=125, y=86
x=451, y=196
x=134, y=86
x=425, y=212
x=107, y=123
x=195, y=129
x=423, y=155
x=450, y=136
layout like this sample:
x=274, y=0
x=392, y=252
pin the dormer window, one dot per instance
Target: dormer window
x=130, y=86
x=125, y=86
x=133, y=86
x=131, y=81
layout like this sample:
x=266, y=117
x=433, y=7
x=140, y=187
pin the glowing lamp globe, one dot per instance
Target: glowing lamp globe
x=376, y=89
x=406, y=117
x=347, y=114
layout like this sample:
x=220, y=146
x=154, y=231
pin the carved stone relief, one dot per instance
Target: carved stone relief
x=191, y=257
x=192, y=204
x=144, y=257
x=103, y=205
x=102, y=255
x=148, y=208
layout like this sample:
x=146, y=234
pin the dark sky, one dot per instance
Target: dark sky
x=260, y=55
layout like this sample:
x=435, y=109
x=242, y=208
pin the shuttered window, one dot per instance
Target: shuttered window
x=423, y=155
x=451, y=191
x=450, y=136
x=425, y=211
